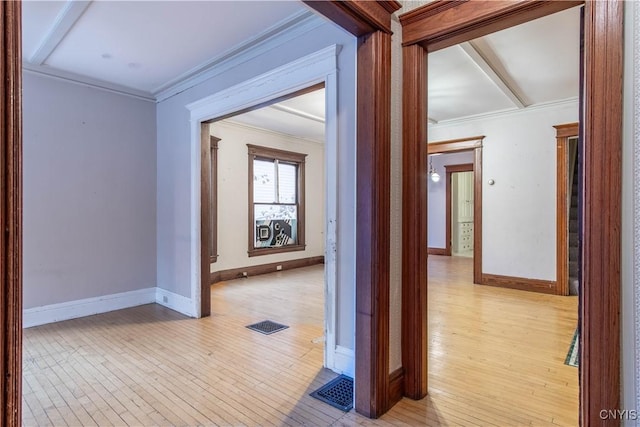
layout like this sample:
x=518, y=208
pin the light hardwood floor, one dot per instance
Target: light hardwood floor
x=496, y=358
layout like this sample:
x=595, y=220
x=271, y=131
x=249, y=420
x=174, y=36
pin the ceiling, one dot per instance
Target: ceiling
x=144, y=48
x=530, y=64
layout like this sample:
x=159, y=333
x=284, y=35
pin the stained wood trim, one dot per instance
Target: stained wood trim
x=259, y=152
x=521, y=283
x=444, y=23
x=358, y=17
x=254, y=270
x=205, y=219
x=563, y=133
x=373, y=206
x=601, y=235
x=396, y=386
x=600, y=299
x=213, y=191
x=439, y=251
x=414, y=221
x=10, y=214
x=373, y=196
x=465, y=167
x=477, y=215
x=460, y=145
x=567, y=130
x=455, y=145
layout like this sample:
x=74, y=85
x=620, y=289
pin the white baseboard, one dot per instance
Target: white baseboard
x=176, y=302
x=86, y=307
x=344, y=361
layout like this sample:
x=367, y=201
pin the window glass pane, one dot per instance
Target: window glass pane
x=264, y=181
x=275, y=225
x=287, y=177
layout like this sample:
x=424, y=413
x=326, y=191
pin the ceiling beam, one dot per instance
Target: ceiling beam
x=66, y=19
x=298, y=113
x=490, y=71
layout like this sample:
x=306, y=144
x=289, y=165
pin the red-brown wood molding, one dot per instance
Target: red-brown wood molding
x=521, y=283
x=370, y=21
x=414, y=221
x=601, y=211
x=358, y=17
x=10, y=214
x=445, y=23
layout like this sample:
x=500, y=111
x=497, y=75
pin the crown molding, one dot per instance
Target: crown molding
x=274, y=36
x=86, y=81
x=506, y=113
x=234, y=124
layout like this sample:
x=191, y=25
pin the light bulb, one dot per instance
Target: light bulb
x=435, y=177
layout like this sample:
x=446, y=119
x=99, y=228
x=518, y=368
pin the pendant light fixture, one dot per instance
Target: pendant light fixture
x=435, y=177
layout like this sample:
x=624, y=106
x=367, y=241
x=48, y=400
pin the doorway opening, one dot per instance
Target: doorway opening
x=299, y=77
x=456, y=156
x=432, y=27
x=265, y=216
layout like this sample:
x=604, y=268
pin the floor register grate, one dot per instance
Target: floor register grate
x=337, y=393
x=267, y=327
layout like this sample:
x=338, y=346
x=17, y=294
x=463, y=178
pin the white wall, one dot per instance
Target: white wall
x=175, y=167
x=519, y=211
x=437, y=197
x=89, y=192
x=233, y=188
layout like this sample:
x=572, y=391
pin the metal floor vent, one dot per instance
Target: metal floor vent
x=337, y=393
x=267, y=327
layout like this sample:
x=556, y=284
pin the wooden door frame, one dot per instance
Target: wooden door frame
x=370, y=22
x=11, y=214
x=444, y=23
x=563, y=133
x=459, y=145
x=449, y=171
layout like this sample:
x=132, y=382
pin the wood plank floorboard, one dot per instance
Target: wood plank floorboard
x=496, y=358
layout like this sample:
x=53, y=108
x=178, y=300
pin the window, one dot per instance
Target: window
x=276, y=201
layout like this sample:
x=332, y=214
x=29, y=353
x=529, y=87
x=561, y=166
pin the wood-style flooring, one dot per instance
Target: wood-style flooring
x=496, y=358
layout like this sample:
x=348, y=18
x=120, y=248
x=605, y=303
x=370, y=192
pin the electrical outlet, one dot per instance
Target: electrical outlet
x=165, y=299
x=278, y=267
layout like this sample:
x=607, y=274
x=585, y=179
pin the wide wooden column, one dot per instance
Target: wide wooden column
x=10, y=214
x=370, y=21
x=601, y=210
x=373, y=224
x=414, y=221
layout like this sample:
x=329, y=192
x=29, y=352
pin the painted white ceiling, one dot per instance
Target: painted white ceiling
x=533, y=63
x=302, y=116
x=144, y=47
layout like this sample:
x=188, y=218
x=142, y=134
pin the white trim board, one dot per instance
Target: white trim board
x=103, y=304
x=77, y=79
x=505, y=113
x=86, y=307
x=274, y=36
x=175, y=302
x=318, y=67
x=345, y=361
